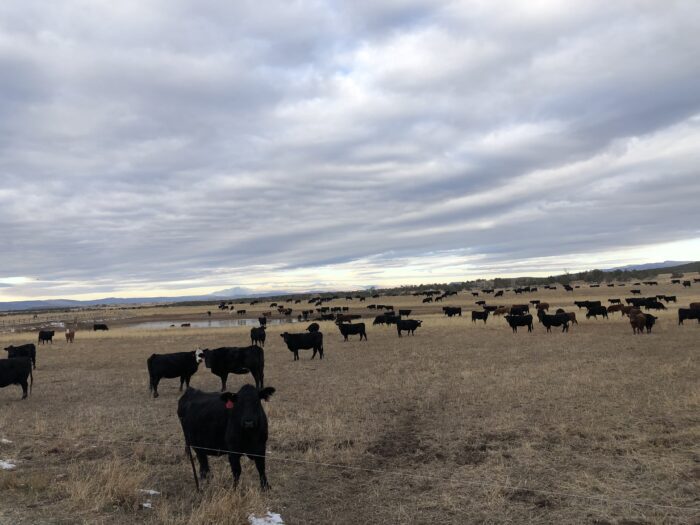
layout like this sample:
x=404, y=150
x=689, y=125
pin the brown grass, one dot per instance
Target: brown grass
x=462, y=423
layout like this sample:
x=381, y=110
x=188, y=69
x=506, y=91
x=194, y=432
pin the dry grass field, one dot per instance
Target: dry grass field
x=463, y=423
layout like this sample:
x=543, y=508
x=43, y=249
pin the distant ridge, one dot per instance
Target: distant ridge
x=648, y=266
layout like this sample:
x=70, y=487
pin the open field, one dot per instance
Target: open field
x=462, y=423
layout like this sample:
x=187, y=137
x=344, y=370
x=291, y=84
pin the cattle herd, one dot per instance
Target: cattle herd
x=235, y=424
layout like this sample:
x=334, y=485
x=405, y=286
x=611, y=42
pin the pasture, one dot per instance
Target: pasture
x=460, y=423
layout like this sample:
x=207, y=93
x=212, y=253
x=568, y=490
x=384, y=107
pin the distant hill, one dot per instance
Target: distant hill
x=648, y=266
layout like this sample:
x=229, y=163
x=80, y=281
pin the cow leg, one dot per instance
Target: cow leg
x=187, y=381
x=223, y=381
x=154, y=382
x=320, y=353
x=235, y=462
x=203, y=464
x=182, y=382
x=260, y=465
x=24, y=386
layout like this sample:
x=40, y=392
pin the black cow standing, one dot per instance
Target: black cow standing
x=595, y=311
x=234, y=360
x=407, y=325
x=519, y=320
x=257, y=336
x=347, y=329
x=179, y=364
x=16, y=371
x=558, y=319
x=46, y=336
x=305, y=341
x=235, y=424
x=480, y=315
x=100, y=326
x=28, y=350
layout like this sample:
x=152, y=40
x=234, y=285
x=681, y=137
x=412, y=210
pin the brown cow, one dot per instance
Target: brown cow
x=572, y=315
x=638, y=323
x=616, y=308
x=70, y=335
x=543, y=306
x=694, y=306
x=501, y=310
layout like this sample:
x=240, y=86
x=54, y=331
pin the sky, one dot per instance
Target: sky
x=173, y=147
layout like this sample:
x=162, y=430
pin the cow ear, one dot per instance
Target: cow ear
x=266, y=393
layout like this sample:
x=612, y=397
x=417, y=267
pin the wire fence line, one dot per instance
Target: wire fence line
x=403, y=474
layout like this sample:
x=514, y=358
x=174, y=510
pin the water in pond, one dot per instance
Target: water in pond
x=209, y=323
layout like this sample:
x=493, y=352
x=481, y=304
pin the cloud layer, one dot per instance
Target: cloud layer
x=172, y=145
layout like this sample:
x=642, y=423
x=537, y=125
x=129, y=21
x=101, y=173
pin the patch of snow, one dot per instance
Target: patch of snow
x=7, y=465
x=271, y=518
x=150, y=492
x=147, y=505
x=5, y=441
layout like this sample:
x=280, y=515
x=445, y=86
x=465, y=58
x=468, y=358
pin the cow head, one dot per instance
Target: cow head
x=245, y=405
x=284, y=336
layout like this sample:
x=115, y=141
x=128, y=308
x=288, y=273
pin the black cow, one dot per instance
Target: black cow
x=407, y=325
x=46, y=336
x=386, y=319
x=236, y=360
x=451, y=311
x=99, y=326
x=257, y=336
x=688, y=313
x=179, y=364
x=561, y=319
x=404, y=312
x=499, y=293
x=352, y=329
x=519, y=309
x=654, y=305
x=28, y=350
x=686, y=284
x=480, y=315
x=262, y=320
x=649, y=323
x=313, y=327
x=15, y=371
x=614, y=301
x=519, y=320
x=304, y=341
x=670, y=298
x=235, y=424
x=595, y=311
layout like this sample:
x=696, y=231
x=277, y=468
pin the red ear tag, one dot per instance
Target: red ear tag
x=229, y=404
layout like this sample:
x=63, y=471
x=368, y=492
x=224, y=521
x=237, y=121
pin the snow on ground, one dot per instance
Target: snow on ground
x=7, y=464
x=271, y=518
x=5, y=441
x=150, y=492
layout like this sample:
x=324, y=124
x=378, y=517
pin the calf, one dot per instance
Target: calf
x=179, y=364
x=595, y=311
x=70, y=335
x=519, y=320
x=480, y=316
x=235, y=424
x=46, y=336
x=28, y=350
x=99, y=326
x=16, y=371
x=236, y=360
x=407, y=325
x=347, y=329
x=304, y=341
x=257, y=336
x=688, y=313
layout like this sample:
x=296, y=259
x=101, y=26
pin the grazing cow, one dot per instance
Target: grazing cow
x=475, y=294
x=46, y=336
x=15, y=371
x=346, y=318
x=407, y=325
x=490, y=308
x=501, y=310
x=451, y=311
x=688, y=313
x=347, y=329
x=313, y=327
x=480, y=303
x=554, y=320
x=185, y=325
x=70, y=335
x=675, y=281
x=404, y=312
x=615, y=308
x=385, y=319
x=428, y=300
x=262, y=320
x=480, y=315
x=28, y=350
x=236, y=360
x=686, y=284
x=179, y=364
x=670, y=298
x=654, y=305
x=257, y=336
x=99, y=326
x=235, y=424
x=499, y=293
x=595, y=311
x=519, y=320
x=304, y=341
x=614, y=301
x=542, y=306
x=636, y=291
x=568, y=288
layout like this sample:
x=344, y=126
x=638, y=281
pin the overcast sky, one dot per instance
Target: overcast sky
x=172, y=147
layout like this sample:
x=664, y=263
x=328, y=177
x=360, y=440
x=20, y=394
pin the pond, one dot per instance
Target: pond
x=209, y=323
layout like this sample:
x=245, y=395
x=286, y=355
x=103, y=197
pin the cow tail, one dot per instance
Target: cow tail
x=149, y=364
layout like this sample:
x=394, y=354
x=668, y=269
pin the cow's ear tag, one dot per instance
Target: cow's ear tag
x=229, y=404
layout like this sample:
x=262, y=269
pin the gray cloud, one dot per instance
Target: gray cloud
x=164, y=145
